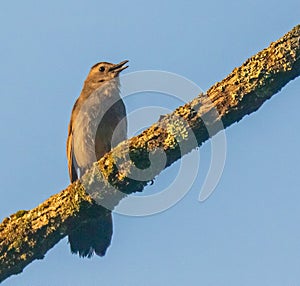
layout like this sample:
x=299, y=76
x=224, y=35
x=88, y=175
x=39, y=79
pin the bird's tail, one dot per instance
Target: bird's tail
x=92, y=236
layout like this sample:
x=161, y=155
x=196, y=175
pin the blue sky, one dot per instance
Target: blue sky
x=247, y=232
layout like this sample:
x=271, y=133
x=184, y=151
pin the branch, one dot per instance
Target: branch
x=28, y=235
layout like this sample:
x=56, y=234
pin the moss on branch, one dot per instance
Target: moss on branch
x=28, y=235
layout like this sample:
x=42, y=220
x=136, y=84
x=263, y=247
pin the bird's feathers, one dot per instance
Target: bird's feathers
x=70, y=156
x=93, y=235
x=98, y=123
x=95, y=123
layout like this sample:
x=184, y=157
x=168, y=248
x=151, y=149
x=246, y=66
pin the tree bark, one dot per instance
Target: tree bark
x=28, y=235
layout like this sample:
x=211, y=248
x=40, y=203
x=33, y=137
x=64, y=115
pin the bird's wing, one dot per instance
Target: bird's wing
x=121, y=123
x=70, y=155
x=112, y=129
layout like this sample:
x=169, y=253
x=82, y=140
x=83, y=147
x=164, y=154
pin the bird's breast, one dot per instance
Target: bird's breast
x=90, y=114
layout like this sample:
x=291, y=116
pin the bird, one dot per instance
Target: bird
x=98, y=123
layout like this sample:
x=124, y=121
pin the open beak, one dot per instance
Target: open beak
x=117, y=68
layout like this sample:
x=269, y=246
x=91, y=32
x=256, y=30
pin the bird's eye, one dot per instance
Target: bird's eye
x=102, y=69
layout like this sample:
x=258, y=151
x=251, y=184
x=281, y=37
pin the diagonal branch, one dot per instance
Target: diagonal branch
x=28, y=235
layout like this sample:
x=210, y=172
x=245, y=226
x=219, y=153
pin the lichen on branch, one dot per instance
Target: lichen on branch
x=28, y=235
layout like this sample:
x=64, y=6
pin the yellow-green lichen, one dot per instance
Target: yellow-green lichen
x=108, y=166
x=177, y=131
x=19, y=214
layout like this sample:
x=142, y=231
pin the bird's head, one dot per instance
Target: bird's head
x=104, y=72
